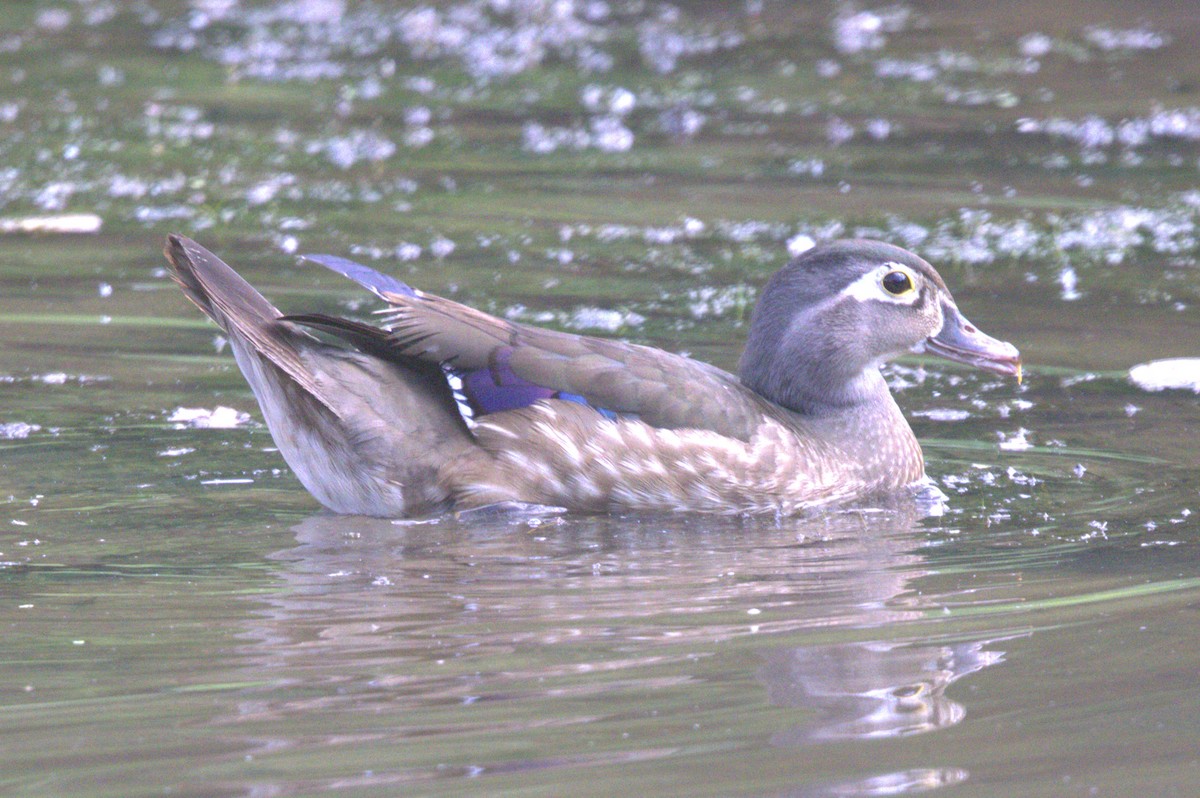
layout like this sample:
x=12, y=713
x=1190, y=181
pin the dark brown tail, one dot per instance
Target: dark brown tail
x=214, y=287
x=238, y=308
x=364, y=432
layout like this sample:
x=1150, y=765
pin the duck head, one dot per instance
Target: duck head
x=828, y=320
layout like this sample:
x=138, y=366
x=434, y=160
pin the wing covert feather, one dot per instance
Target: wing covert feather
x=664, y=389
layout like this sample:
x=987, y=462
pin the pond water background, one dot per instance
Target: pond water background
x=177, y=616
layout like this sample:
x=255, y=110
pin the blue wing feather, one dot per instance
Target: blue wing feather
x=376, y=282
x=484, y=391
x=478, y=391
x=497, y=388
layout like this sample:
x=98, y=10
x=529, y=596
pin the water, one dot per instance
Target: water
x=179, y=617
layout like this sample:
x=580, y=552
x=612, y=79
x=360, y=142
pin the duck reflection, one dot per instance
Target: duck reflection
x=871, y=689
x=430, y=618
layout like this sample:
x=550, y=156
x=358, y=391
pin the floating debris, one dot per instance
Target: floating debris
x=1016, y=442
x=220, y=417
x=617, y=100
x=943, y=414
x=681, y=122
x=360, y=145
x=309, y=40
x=65, y=223
x=838, y=131
x=1127, y=38
x=53, y=20
x=1035, y=45
x=897, y=68
x=800, y=243
x=16, y=430
x=441, y=247
x=663, y=42
x=586, y=318
x=855, y=31
x=605, y=133
x=1093, y=132
x=713, y=302
x=1069, y=280
x=406, y=250
x=178, y=451
x=1177, y=374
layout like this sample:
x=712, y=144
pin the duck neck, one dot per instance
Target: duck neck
x=860, y=419
x=874, y=439
x=812, y=383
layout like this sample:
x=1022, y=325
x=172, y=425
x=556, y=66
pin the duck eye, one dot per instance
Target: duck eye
x=897, y=283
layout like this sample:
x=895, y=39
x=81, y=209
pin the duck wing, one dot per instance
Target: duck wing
x=503, y=365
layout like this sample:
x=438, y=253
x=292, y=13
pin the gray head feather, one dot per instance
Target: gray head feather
x=810, y=349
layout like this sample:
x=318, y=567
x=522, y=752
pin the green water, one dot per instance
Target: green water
x=177, y=615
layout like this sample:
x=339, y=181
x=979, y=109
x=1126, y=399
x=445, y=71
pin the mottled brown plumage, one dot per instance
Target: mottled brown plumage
x=588, y=423
x=663, y=389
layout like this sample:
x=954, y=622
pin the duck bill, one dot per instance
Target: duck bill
x=961, y=341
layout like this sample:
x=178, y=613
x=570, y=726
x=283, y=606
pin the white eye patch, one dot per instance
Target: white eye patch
x=869, y=287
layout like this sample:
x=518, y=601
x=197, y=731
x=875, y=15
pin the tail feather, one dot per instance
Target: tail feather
x=365, y=431
x=214, y=287
x=378, y=343
x=363, y=337
x=238, y=309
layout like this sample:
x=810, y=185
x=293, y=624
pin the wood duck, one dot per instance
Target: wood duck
x=446, y=407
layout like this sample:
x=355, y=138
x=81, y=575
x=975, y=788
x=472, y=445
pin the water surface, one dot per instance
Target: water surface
x=180, y=617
